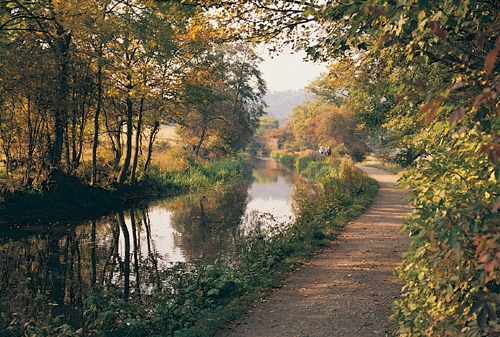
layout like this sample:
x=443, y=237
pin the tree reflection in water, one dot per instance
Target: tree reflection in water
x=209, y=224
x=52, y=276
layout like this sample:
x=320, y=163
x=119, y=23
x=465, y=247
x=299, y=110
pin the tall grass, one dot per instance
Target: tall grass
x=190, y=174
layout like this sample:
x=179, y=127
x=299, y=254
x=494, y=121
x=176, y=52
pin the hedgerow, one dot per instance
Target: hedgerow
x=451, y=270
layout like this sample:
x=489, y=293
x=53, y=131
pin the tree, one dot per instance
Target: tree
x=224, y=100
x=265, y=124
x=82, y=69
x=49, y=20
x=284, y=134
x=323, y=124
x=302, y=115
x=157, y=49
x=364, y=83
x=336, y=127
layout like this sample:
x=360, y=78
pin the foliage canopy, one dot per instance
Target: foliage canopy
x=425, y=74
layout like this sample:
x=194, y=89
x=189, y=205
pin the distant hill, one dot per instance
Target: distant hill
x=281, y=103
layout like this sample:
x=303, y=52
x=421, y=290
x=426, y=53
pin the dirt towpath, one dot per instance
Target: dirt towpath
x=348, y=289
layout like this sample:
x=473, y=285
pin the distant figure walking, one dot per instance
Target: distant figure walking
x=321, y=150
x=328, y=151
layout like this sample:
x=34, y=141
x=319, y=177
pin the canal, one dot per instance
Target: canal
x=51, y=274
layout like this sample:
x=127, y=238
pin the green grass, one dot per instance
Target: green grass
x=200, y=297
x=68, y=200
x=197, y=176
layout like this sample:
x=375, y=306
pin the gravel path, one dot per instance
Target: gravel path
x=348, y=289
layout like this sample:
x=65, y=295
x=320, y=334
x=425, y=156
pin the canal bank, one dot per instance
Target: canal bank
x=67, y=200
x=109, y=277
x=348, y=289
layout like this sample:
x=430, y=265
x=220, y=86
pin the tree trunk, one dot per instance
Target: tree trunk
x=202, y=137
x=77, y=127
x=152, y=137
x=74, y=123
x=79, y=147
x=67, y=147
x=114, y=132
x=59, y=136
x=137, y=142
x=128, y=153
x=62, y=43
x=95, y=142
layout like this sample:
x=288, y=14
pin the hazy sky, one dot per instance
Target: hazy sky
x=289, y=71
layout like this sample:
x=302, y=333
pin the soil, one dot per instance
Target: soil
x=349, y=288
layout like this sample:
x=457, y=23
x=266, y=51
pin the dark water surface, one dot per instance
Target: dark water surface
x=128, y=250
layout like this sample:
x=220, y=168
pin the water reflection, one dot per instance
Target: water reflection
x=49, y=275
x=269, y=196
x=208, y=224
x=201, y=226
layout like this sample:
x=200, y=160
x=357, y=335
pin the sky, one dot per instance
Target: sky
x=289, y=71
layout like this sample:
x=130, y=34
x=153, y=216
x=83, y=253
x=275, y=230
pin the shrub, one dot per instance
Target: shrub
x=451, y=271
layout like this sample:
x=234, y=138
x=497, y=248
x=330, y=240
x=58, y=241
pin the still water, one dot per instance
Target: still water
x=128, y=250
x=202, y=225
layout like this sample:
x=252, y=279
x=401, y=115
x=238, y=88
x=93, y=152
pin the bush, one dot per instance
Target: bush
x=451, y=271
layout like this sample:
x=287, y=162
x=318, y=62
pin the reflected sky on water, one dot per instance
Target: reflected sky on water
x=127, y=253
x=200, y=225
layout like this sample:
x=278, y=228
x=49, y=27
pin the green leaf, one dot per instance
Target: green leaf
x=213, y=291
x=472, y=226
x=309, y=11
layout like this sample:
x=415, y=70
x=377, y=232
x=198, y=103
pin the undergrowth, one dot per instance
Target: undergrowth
x=197, y=298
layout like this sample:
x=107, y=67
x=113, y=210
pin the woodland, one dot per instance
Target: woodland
x=415, y=81
x=86, y=87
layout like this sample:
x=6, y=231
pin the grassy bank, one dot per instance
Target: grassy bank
x=67, y=200
x=197, y=298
